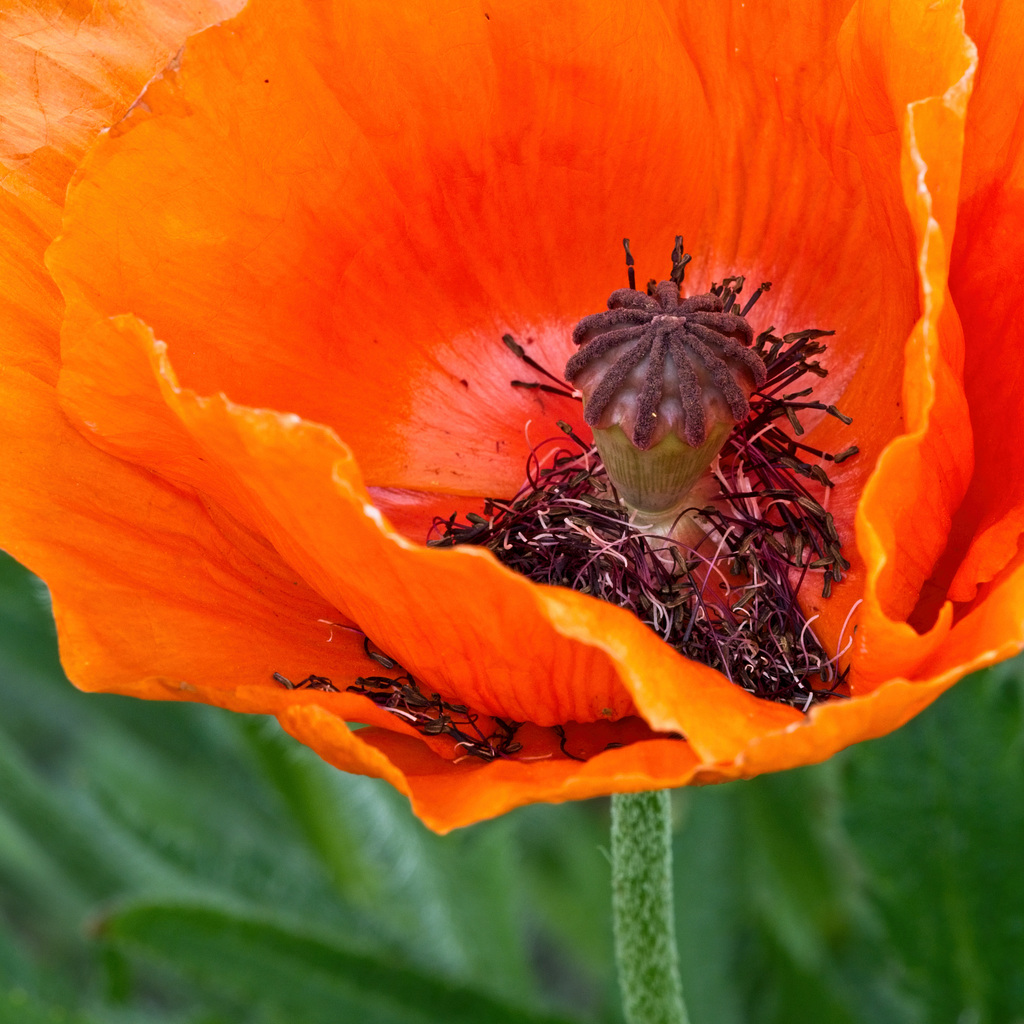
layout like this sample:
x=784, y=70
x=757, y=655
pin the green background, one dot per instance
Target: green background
x=176, y=863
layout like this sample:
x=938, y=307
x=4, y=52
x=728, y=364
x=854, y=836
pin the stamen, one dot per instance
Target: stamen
x=630, y=272
x=731, y=600
x=679, y=261
x=431, y=716
x=761, y=289
x=513, y=346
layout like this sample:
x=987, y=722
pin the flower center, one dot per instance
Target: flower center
x=688, y=408
x=689, y=411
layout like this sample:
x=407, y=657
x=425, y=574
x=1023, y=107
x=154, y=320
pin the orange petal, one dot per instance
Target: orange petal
x=70, y=70
x=988, y=253
x=447, y=796
x=788, y=740
x=905, y=514
x=394, y=258
x=30, y=304
x=382, y=267
x=85, y=71
x=154, y=592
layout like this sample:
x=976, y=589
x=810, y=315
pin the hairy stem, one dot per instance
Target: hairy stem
x=642, y=909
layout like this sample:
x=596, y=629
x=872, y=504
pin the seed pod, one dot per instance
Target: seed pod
x=664, y=380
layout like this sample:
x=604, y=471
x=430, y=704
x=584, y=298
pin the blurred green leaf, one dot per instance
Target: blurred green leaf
x=54, y=834
x=936, y=817
x=558, y=872
x=411, y=882
x=28, y=636
x=311, y=800
x=712, y=912
x=17, y=1006
x=289, y=975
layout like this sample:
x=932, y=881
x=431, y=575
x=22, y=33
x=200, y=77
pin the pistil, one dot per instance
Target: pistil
x=664, y=380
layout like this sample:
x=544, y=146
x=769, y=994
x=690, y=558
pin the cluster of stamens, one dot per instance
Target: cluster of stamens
x=429, y=715
x=621, y=365
x=655, y=365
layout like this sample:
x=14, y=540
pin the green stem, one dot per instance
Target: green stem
x=642, y=909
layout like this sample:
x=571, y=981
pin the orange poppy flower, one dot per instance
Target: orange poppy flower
x=287, y=273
